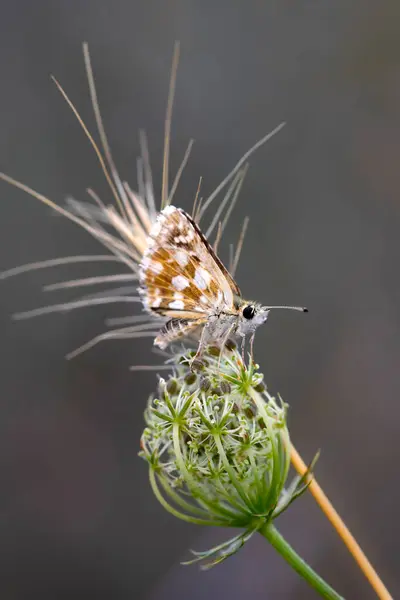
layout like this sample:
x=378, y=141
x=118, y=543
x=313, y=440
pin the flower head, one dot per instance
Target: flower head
x=217, y=446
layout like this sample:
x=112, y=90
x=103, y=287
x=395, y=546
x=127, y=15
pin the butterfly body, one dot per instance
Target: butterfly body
x=184, y=281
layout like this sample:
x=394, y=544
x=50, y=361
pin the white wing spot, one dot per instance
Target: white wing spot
x=179, y=282
x=156, y=303
x=204, y=299
x=168, y=210
x=202, y=278
x=156, y=267
x=145, y=262
x=182, y=239
x=178, y=304
x=181, y=258
x=205, y=275
x=155, y=230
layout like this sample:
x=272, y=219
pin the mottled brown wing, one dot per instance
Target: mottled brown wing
x=180, y=271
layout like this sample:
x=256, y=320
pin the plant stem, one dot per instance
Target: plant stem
x=348, y=539
x=298, y=564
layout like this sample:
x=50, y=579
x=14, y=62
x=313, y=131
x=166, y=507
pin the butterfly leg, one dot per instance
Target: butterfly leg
x=224, y=341
x=200, y=347
x=242, y=346
x=252, y=346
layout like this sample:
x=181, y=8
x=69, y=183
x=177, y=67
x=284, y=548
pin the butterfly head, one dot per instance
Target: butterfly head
x=251, y=316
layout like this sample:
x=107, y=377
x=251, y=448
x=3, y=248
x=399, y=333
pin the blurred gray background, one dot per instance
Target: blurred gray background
x=78, y=519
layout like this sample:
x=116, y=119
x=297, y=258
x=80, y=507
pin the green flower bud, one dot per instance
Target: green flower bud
x=219, y=454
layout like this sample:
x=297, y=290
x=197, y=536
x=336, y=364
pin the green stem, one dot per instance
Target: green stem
x=298, y=564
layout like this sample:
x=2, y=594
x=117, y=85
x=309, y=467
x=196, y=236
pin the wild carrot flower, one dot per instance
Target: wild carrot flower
x=218, y=446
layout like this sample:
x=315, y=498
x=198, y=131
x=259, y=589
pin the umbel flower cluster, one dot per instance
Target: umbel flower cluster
x=218, y=446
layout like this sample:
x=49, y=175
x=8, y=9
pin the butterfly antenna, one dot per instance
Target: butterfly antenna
x=298, y=308
x=167, y=130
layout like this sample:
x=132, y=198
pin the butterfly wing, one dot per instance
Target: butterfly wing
x=180, y=271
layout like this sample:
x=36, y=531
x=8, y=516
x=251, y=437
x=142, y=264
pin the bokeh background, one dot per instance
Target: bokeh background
x=78, y=519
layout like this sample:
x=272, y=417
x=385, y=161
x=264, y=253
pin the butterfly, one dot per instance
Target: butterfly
x=183, y=280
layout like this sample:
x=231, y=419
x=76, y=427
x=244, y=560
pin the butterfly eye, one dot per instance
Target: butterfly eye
x=249, y=311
